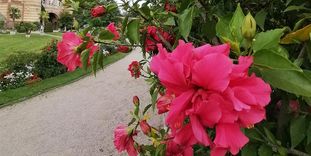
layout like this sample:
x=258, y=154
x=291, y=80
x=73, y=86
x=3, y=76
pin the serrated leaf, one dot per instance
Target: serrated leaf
x=271, y=60
x=299, y=35
x=267, y=40
x=133, y=31
x=185, y=22
x=105, y=35
x=297, y=130
x=85, y=59
x=94, y=62
x=265, y=150
x=261, y=18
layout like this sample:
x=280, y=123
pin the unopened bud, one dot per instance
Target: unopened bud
x=136, y=100
x=145, y=127
x=249, y=27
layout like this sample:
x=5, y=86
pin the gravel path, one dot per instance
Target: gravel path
x=74, y=120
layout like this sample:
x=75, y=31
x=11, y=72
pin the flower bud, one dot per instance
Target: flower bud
x=294, y=105
x=98, y=11
x=136, y=100
x=249, y=27
x=145, y=127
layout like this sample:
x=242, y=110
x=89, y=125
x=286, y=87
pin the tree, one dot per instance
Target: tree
x=65, y=20
x=44, y=16
x=15, y=13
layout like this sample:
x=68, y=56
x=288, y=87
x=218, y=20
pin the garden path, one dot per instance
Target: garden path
x=74, y=120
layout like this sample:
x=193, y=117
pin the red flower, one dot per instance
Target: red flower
x=68, y=53
x=113, y=30
x=170, y=7
x=123, y=49
x=152, y=38
x=164, y=102
x=134, y=68
x=124, y=141
x=145, y=127
x=98, y=11
x=210, y=91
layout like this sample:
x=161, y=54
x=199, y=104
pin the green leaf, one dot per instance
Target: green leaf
x=85, y=59
x=105, y=35
x=94, y=62
x=261, y=18
x=222, y=27
x=253, y=135
x=111, y=7
x=170, y=21
x=249, y=150
x=100, y=59
x=271, y=60
x=296, y=8
x=124, y=24
x=297, y=130
x=270, y=136
x=265, y=150
x=185, y=22
x=267, y=40
x=289, y=80
x=236, y=24
x=309, y=134
x=133, y=31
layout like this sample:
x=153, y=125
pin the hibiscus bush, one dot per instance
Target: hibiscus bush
x=229, y=77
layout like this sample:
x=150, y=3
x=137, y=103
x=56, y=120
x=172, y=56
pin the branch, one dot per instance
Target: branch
x=167, y=44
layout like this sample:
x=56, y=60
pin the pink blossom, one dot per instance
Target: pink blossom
x=210, y=92
x=113, y=30
x=124, y=141
x=164, y=102
x=68, y=53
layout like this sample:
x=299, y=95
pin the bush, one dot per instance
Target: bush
x=47, y=66
x=48, y=27
x=19, y=69
x=20, y=27
x=1, y=25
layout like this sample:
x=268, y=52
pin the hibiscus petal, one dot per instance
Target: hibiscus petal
x=199, y=131
x=212, y=72
x=210, y=111
x=185, y=137
x=206, y=49
x=216, y=151
x=252, y=116
x=229, y=136
x=178, y=106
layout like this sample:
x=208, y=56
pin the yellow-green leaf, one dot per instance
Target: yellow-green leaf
x=299, y=35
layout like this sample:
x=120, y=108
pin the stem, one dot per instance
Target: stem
x=117, y=44
x=296, y=152
x=168, y=45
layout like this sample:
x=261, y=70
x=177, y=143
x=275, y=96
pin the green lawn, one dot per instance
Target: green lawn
x=56, y=33
x=16, y=95
x=16, y=43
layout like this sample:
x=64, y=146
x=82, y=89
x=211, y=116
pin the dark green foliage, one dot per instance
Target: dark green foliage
x=46, y=65
x=66, y=20
x=48, y=27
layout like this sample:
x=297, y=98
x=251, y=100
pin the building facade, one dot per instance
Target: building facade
x=30, y=9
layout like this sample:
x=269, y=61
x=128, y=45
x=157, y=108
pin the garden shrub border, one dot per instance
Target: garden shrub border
x=13, y=96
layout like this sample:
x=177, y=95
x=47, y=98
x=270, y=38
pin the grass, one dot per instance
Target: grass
x=56, y=33
x=10, y=44
x=17, y=95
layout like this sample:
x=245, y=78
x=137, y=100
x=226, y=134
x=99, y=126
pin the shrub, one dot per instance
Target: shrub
x=48, y=27
x=47, y=66
x=20, y=27
x=19, y=69
x=1, y=24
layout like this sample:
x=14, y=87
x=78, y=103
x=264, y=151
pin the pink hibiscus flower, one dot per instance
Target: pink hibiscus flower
x=113, y=30
x=210, y=92
x=68, y=53
x=124, y=141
